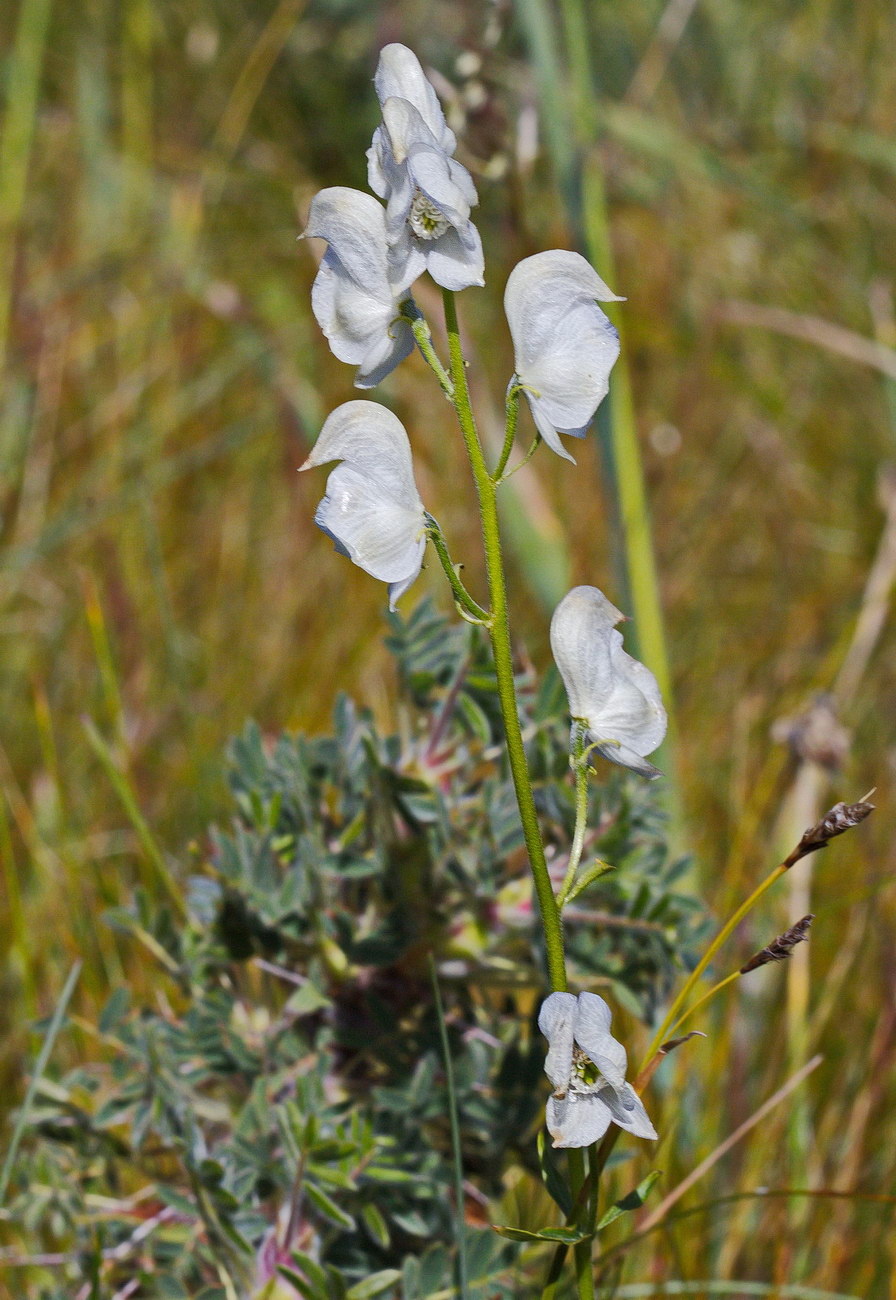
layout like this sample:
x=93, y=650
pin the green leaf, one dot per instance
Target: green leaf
x=561, y=1236
x=551, y=1176
x=115, y=1009
x=633, y=1201
x=303, y=1288
x=594, y=872
x=315, y=1276
x=306, y=1000
x=376, y=1225
x=327, y=1207
x=376, y=1284
x=475, y=718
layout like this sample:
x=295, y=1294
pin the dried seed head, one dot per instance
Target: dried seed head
x=779, y=949
x=671, y=1043
x=841, y=818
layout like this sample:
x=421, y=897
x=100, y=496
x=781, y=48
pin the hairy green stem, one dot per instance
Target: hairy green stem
x=580, y=767
x=499, y=631
x=423, y=336
x=582, y=1249
x=536, y=443
x=511, y=411
x=463, y=598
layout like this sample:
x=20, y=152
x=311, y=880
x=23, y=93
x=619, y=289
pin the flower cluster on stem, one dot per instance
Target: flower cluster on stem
x=564, y=350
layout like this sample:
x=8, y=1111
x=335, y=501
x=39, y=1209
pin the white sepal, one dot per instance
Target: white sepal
x=372, y=510
x=564, y=345
x=615, y=695
x=353, y=299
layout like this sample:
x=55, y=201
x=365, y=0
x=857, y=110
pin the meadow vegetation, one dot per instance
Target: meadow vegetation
x=730, y=170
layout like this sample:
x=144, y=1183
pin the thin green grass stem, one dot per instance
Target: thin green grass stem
x=499, y=631
x=40, y=1065
x=729, y=927
x=16, y=917
x=119, y=783
x=456, y=1153
x=23, y=70
x=701, y=1001
x=673, y=1018
x=465, y=602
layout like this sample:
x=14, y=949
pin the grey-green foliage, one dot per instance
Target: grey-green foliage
x=283, y=1101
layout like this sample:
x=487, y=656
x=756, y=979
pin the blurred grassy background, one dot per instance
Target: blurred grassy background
x=160, y=573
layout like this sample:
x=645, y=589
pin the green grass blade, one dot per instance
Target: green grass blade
x=23, y=79
x=457, y=1158
x=41, y=1064
x=122, y=788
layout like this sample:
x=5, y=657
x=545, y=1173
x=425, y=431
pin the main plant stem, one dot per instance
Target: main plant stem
x=499, y=631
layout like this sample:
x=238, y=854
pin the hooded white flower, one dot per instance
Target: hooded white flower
x=586, y=1066
x=428, y=193
x=617, y=697
x=372, y=510
x=352, y=297
x=564, y=345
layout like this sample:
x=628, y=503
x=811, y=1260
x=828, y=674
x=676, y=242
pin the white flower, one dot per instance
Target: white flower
x=428, y=193
x=372, y=510
x=586, y=1066
x=617, y=697
x=355, y=304
x=564, y=345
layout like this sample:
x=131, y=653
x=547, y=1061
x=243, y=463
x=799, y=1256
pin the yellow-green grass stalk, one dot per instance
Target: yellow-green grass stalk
x=22, y=84
x=40, y=1065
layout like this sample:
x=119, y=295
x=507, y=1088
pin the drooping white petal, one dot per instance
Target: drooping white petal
x=400, y=76
x=352, y=298
x=592, y=1033
x=627, y=1109
x=371, y=510
x=578, y=1119
x=564, y=345
x=617, y=696
x=556, y=1020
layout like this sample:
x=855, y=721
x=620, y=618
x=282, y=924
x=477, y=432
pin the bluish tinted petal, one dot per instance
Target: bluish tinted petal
x=545, y=426
x=455, y=260
x=627, y=1109
x=578, y=1119
x=387, y=349
x=623, y=756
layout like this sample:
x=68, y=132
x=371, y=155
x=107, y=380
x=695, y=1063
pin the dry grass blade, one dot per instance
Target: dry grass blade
x=812, y=329
x=657, y=1215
